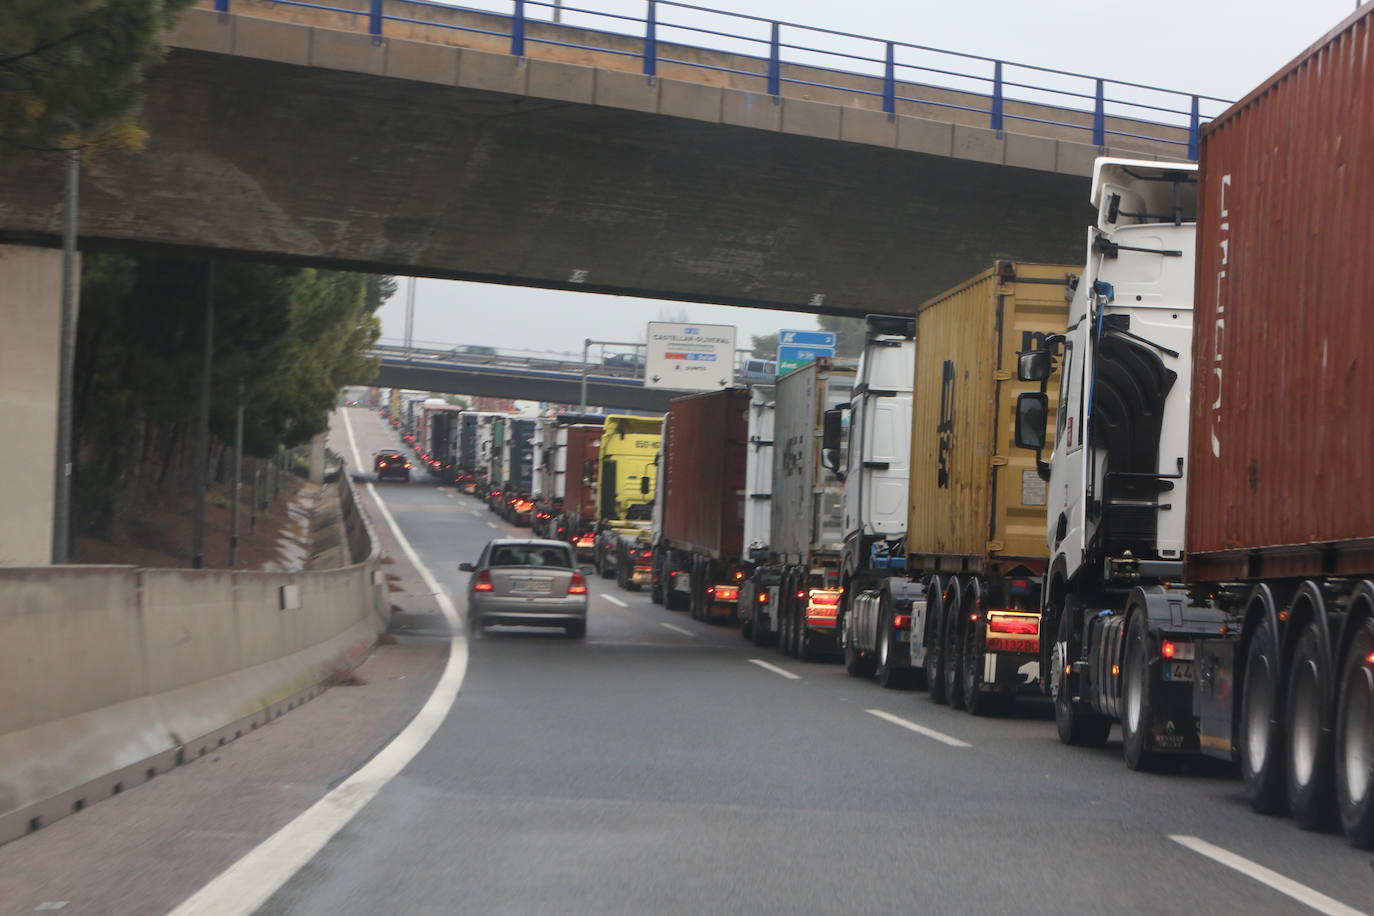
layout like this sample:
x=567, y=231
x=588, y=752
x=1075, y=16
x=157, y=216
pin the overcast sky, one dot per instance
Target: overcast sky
x=1221, y=48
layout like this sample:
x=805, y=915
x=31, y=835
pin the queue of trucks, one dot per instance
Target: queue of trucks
x=1137, y=486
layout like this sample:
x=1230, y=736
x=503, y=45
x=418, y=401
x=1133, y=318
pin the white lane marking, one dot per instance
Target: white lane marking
x=253, y=879
x=475, y=513
x=677, y=629
x=491, y=524
x=614, y=600
x=918, y=729
x=1299, y=892
x=775, y=669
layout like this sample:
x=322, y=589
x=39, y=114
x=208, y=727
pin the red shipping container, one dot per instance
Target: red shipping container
x=1281, y=451
x=579, y=497
x=705, y=443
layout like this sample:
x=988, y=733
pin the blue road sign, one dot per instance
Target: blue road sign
x=790, y=358
x=824, y=339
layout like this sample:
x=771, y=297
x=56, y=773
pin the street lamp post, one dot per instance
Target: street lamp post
x=586, y=345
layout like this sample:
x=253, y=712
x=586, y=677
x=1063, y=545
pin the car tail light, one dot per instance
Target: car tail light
x=407, y=465
x=483, y=582
x=577, y=585
x=1020, y=626
x=585, y=540
x=901, y=621
x=382, y=464
x=825, y=598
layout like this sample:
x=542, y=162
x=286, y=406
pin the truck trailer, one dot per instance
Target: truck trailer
x=698, y=533
x=800, y=572
x=1247, y=634
x=976, y=521
x=757, y=591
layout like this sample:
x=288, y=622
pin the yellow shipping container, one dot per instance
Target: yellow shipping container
x=976, y=501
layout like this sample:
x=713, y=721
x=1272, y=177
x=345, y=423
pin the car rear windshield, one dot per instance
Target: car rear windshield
x=531, y=555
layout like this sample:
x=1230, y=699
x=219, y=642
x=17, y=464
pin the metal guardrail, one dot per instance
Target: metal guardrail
x=777, y=44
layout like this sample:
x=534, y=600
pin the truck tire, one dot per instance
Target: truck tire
x=934, y=663
x=1136, y=709
x=1308, y=742
x=806, y=648
x=602, y=566
x=1076, y=727
x=1260, y=736
x=786, y=592
x=976, y=701
x=954, y=646
x=856, y=663
x=1355, y=740
x=744, y=612
x=891, y=675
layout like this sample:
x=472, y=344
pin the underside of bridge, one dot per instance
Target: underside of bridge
x=335, y=168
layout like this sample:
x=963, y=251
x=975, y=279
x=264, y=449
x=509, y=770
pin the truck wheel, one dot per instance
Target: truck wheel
x=890, y=675
x=656, y=589
x=745, y=613
x=1260, y=738
x=806, y=649
x=1309, y=769
x=785, y=618
x=954, y=648
x=856, y=663
x=934, y=663
x=1136, y=710
x=758, y=634
x=1076, y=727
x=976, y=701
x=602, y=566
x=1355, y=740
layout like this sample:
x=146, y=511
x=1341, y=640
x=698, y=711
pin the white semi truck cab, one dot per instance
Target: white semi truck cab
x=1118, y=476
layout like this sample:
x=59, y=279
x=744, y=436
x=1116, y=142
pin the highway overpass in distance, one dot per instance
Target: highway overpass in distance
x=521, y=377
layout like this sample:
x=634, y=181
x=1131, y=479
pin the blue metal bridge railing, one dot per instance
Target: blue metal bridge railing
x=1111, y=108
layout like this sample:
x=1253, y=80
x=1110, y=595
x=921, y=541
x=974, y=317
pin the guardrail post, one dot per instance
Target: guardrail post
x=997, y=96
x=774, y=64
x=1193, y=123
x=374, y=23
x=890, y=80
x=517, y=30
x=1100, y=117
x=651, y=39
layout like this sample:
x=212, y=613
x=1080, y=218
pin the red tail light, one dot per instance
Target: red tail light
x=825, y=598
x=577, y=585
x=901, y=621
x=1020, y=626
x=738, y=575
x=407, y=465
x=383, y=464
x=585, y=540
x=483, y=582
x=1167, y=649
x=727, y=592
x=763, y=597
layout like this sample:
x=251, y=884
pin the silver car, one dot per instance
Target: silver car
x=527, y=583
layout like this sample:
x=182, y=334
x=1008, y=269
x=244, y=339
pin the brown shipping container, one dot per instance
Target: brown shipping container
x=706, y=438
x=584, y=444
x=976, y=500
x=1282, y=434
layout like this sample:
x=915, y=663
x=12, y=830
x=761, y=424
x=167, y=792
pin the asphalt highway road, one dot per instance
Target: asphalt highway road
x=657, y=768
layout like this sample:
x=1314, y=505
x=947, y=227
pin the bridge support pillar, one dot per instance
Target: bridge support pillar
x=30, y=330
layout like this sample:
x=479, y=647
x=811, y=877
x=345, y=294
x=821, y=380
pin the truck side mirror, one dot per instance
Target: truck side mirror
x=832, y=431
x=1032, y=413
x=1032, y=418
x=1035, y=365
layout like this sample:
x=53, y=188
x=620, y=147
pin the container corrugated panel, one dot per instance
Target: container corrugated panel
x=583, y=443
x=706, y=445
x=976, y=499
x=808, y=516
x=1282, y=429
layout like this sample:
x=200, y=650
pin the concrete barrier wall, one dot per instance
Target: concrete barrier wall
x=112, y=674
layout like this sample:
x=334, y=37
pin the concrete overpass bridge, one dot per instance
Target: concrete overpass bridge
x=524, y=377
x=682, y=155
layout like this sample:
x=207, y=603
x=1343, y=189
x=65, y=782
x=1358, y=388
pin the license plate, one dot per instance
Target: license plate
x=530, y=586
x=1178, y=671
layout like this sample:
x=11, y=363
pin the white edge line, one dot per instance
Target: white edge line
x=767, y=666
x=677, y=629
x=918, y=729
x=1299, y=892
x=614, y=600
x=252, y=880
